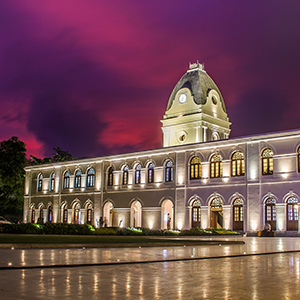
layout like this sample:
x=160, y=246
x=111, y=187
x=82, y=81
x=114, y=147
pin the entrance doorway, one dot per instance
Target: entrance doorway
x=196, y=214
x=292, y=214
x=270, y=212
x=167, y=215
x=216, y=213
x=238, y=215
x=108, y=214
x=136, y=214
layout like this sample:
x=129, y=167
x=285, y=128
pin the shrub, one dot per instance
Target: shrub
x=105, y=231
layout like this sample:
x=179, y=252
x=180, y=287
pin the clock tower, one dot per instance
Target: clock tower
x=196, y=110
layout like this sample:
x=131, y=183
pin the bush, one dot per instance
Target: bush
x=105, y=231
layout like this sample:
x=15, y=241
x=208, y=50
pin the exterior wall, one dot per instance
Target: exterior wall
x=252, y=188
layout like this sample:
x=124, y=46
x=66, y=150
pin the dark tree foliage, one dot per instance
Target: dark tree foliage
x=12, y=175
x=59, y=155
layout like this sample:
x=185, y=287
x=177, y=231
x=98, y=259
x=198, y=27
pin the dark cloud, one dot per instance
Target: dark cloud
x=95, y=79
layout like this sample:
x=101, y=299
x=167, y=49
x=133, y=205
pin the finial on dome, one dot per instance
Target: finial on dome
x=197, y=65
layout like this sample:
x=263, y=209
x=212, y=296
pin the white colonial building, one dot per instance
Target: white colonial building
x=200, y=178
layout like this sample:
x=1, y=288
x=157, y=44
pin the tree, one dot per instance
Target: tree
x=12, y=175
x=59, y=155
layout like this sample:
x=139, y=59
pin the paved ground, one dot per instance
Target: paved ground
x=246, y=271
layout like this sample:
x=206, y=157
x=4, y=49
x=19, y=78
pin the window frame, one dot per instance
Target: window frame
x=195, y=168
x=267, y=163
x=169, y=170
x=216, y=167
x=237, y=164
x=66, y=183
x=90, y=177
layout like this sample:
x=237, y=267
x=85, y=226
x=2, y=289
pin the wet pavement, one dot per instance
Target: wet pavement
x=246, y=271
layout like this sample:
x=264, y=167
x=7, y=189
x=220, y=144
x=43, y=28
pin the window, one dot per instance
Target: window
x=169, y=171
x=267, y=161
x=65, y=214
x=90, y=180
x=195, y=168
x=40, y=182
x=138, y=174
x=125, y=175
x=216, y=166
x=77, y=183
x=67, y=180
x=50, y=214
x=238, y=164
x=151, y=172
x=52, y=181
x=110, y=181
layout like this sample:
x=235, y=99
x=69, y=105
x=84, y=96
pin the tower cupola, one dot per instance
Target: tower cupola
x=196, y=110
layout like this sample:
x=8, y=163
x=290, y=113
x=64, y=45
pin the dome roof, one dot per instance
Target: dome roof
x=199, y=83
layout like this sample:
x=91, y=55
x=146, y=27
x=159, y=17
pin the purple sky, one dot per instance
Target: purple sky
x=95, y=78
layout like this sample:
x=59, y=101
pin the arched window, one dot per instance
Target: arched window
x=298, y=158
x=125, y=175
x=41, y=218
x=90, y=179
x=40, y=182
x=238, y=214
x=67, y=180
x=169, y=171
x=65, y=214
x=89, y=214
x=195, y=168
x=32, y=214
x=151, y=172
x=52, y=182
x=267, y=161
x=137, y=176
x=238, y=164
x=50, y=214
x=77, y=183
x=110, y=181
x=292, y=212
x=196, y=214
x=77, y=213
x=270, y=212
x=216, y=166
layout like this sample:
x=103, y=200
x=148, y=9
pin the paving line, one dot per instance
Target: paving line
x=119, y=262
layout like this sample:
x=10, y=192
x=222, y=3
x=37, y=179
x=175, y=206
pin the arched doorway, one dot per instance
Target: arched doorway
x=136, y=214
x=108, y=214
x=270, y=212
x=41, y=216
x=167, y=214
x=196, y=206
x=292, y=214
x=238, y=215
x=77, y=213
x=216, y=213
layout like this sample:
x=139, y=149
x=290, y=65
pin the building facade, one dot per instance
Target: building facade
x=200, y=178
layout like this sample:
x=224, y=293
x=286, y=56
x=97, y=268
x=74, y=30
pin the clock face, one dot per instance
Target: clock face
x=182, y=98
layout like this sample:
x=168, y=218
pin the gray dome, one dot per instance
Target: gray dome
x=199, y=83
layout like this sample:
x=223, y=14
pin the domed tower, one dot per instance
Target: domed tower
x=196, y=110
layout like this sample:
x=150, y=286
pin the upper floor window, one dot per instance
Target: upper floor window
x=110, y=181
x=77, y=183
x=238, y=164
x=67, y=180
x=151, y=172
x=298, y=158
x=125, y=175
x=216, y=166
x=40, y=182
x=169, y=171
x=90, y=179
x=138, y=169
x=52, y=181
x=195, y=168
x=267, y=161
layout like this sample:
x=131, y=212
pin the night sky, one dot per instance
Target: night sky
x=94, y=77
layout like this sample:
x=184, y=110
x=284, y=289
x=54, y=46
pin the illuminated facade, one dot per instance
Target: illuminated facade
x=200, y=178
